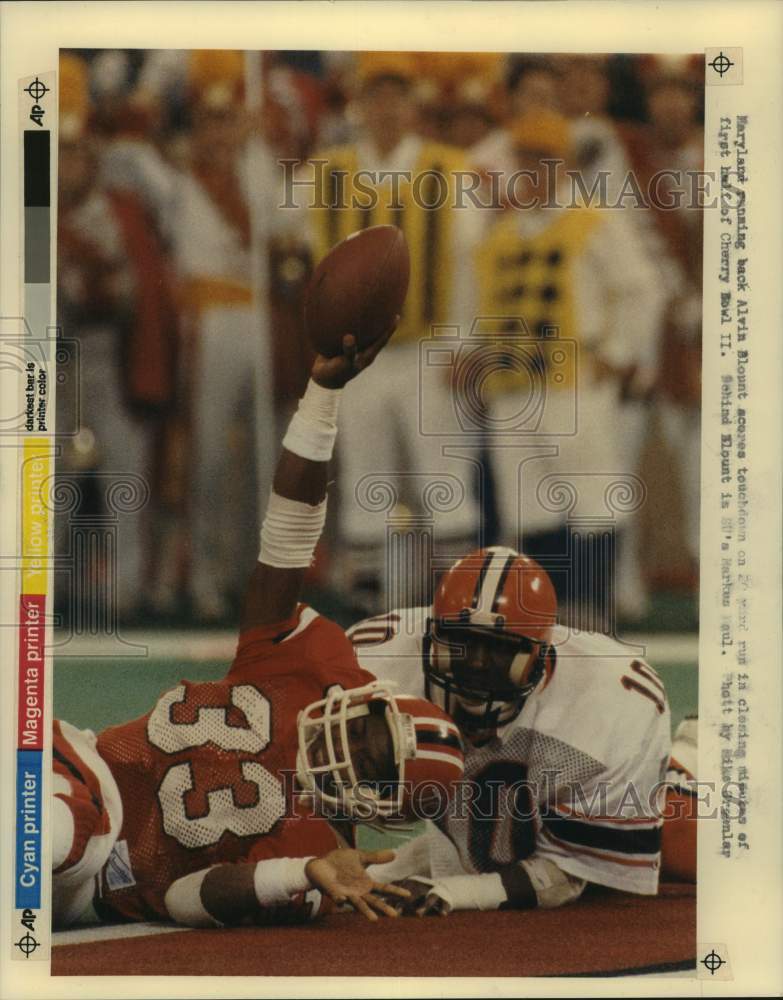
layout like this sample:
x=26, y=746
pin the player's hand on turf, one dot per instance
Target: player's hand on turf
x=438, y=903
x=341, y=875
x=418, y=889
x=334, y=373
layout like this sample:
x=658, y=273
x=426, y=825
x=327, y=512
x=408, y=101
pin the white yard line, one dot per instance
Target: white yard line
x=112, y=932
x=145, y=645
x=191, y=646
x=675, y=647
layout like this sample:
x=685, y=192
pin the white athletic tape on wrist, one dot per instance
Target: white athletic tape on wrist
x=183, y=902
x=313, y=428
x=290, y=532
x=411, y=859
x=472, y=892
x=277, y=880
x=553, y=886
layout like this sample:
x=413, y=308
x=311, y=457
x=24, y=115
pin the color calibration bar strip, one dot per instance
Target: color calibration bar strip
x=37, y=111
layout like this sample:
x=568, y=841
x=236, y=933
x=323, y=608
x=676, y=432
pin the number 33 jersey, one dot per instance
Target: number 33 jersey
x=577, y=777
x=207, y=776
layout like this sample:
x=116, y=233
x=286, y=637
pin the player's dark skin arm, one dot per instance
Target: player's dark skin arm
x=519, y=888
x=272, y=593
x=228, y=891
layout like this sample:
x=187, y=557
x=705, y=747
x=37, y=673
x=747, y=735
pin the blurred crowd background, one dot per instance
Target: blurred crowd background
x=180, y=283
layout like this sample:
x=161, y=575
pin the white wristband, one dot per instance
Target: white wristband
x=277, y=880
x=313, y=428
x=472, y=892
x=290, y=532
x=183, y=901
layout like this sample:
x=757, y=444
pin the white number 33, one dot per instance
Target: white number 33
x=210, y=725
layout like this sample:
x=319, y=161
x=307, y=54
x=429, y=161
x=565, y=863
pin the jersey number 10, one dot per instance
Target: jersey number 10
x=646, y=683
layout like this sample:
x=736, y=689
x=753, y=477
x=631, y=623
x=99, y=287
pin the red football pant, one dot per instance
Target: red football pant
x=678, y=838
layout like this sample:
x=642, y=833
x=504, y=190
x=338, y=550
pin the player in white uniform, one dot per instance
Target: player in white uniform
x=569, y=741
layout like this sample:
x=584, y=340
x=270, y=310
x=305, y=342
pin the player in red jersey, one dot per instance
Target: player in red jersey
x=194, y=804
x=208, y=777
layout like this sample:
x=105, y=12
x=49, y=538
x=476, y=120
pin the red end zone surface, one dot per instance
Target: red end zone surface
x=604, y=933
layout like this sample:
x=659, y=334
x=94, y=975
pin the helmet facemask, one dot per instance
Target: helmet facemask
x=486, y=676
x=504, y=600
x=326, y=764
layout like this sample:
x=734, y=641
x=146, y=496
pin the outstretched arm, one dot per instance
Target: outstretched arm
x=534, y=882
x=297, y=507
x=244, y=892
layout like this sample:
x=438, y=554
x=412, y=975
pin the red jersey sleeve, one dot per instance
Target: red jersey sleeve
x=301, y=835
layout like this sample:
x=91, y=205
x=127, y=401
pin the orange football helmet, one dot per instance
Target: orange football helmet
x=491, y=625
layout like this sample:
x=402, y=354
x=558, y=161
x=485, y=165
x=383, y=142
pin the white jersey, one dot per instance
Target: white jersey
x=577, y=777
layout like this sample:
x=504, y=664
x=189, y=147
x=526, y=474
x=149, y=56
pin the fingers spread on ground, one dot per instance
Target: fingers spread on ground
x=390, y=889
x=359, y=904
x=381, y=906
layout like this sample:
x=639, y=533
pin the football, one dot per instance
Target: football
x=359, y=287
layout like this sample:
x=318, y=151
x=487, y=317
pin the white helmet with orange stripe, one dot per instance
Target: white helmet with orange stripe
x=370, y=753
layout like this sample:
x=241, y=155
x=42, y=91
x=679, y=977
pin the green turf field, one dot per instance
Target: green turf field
x=94, y=693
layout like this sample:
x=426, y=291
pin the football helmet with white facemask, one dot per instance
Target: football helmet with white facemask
x=390, y=769
x=487, y=646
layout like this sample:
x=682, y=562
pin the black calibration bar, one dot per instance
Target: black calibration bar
x=37, y=233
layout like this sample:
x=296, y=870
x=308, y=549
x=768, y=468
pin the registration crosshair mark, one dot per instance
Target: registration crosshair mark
x=26, y=944
x=37, y=89
x=713, y=962
x=721, y=64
